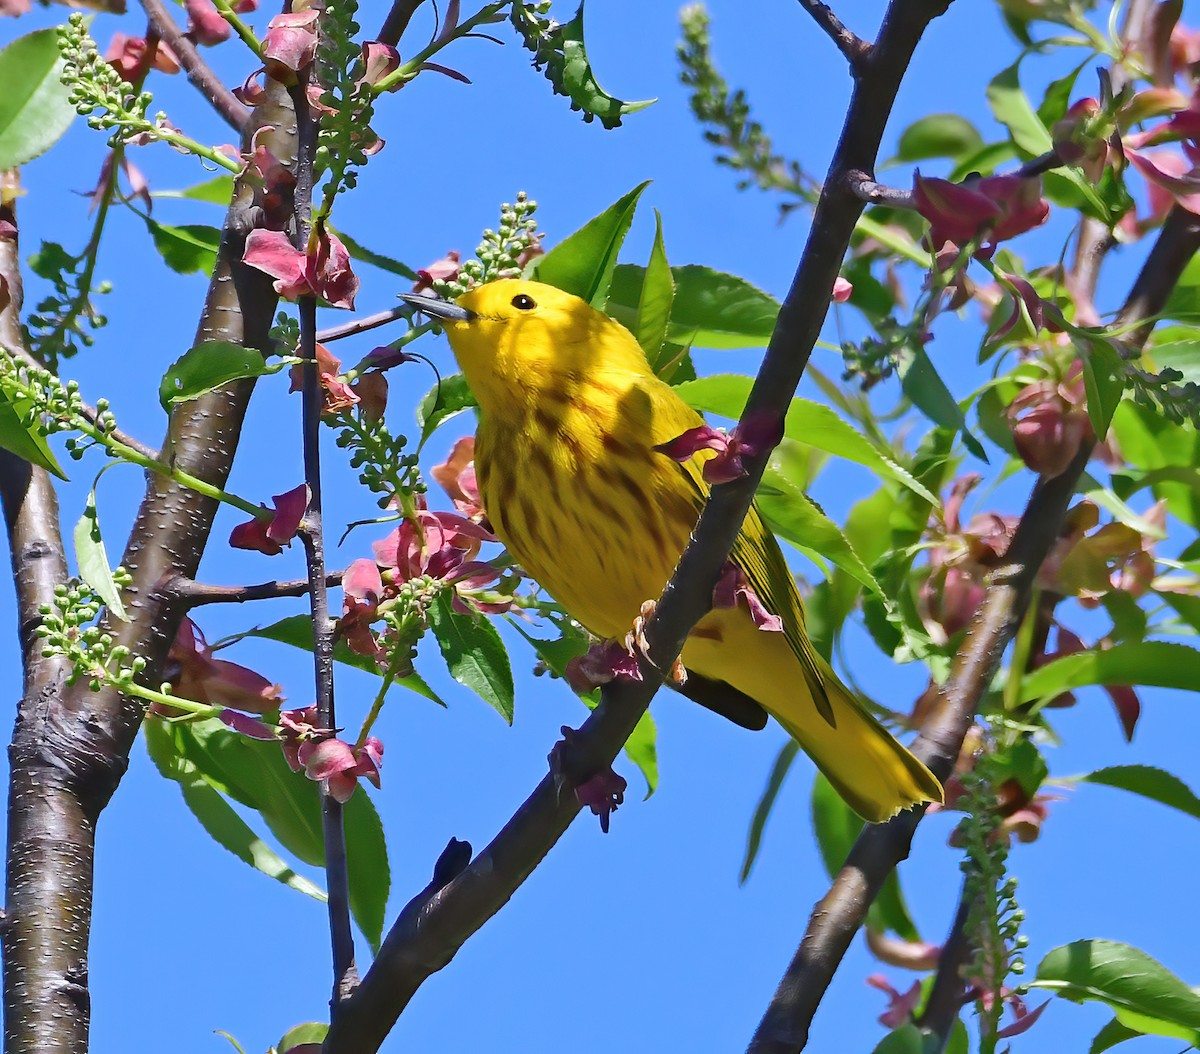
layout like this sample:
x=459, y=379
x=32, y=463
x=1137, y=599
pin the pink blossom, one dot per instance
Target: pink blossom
x=842, y=290
x=444, y=270
x=754, y=435
x=194, y=674
x=250, y=727
x=270, y=534
x=339, y=766
x=445, y=543
x=457, y=476
x=900, y=1006
x=325, y=274
x=362, y=589
x=338, y=395
x=290, y=44
x=733, y=586
x=128, y=56
x=604, y=661
x=378, y=60
x=995, y=207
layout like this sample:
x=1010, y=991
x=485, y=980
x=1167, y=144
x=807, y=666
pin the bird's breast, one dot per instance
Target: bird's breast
x=578, y=495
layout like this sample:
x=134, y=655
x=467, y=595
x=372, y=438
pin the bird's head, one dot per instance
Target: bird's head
x=513, y=335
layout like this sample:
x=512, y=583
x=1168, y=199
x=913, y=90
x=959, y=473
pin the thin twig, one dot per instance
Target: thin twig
x=345, y=975
x=202, y=76
x=192, y=594
x=362, y=325
x=430, y=931
x=856, y=50
x=946, y=996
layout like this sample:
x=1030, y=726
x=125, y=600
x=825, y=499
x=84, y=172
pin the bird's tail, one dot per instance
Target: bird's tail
x=875, y=775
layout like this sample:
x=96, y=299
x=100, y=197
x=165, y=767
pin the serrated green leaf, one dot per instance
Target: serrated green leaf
x=25, y=440
x=207, y=366
x=1181, y=353
x=766, y=803
x=1142, y=992
x=937, y=135
x=215, y=191
x=906, y=1039
x=793, y=515
x=654, y=303
x=1104, y=382
x=296, y=630
x=1110, y=1035
x=1150, y=782
x=474, y=654
x=256, y=774
x=217, y=816
x=1012, y=108
x=92, y=560
x=308, y=1032
x=358, y=251
x=836, y=827
x=583, y=262
x=813, y=424
x=35, y=106
x=1154, y=663
x=710, y=309
x=446, y=399
x=190, y=249
x=923, y=384
x=1184, y=302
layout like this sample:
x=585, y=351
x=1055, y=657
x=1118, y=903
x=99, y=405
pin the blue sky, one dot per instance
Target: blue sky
x=640, y=940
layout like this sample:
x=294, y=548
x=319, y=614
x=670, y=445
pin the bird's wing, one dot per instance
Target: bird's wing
x=755, y=551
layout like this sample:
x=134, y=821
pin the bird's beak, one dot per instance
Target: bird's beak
x=443, y=310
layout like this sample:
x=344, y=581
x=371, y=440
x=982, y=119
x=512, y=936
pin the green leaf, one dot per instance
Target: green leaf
x=1153, y=662
x=35, y=106
x=209, y=365
x=906, y=1039
x=813, y=424
x=1012, y=108
x=560, y=50
x=93, y=563
x=191, y=249
x=21, y=435
x=1149, y=441
x=1110, y=1035
x=367, y=861
x=296, y=630
x=923, y=384
x=1142, y=992
x=474, y=654
x=1153, y=783
x=1184, y=302
x=938, y=135
x=654, y=304
x=710, y=309
x=836, y=827
x=358, y=251
x=1104, y=382
x=583, y=262
x=762, y=811
x=1058, y=97
x=446, y=399
x=985, y=160
x=793, y=515
x=309, y=1032
x=1022, y=762
x=215, y=191
x=256, y=774
x=1180, y=354
x=217, y=816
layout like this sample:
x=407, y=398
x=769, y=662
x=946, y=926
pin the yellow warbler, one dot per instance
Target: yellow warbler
x=570, y=414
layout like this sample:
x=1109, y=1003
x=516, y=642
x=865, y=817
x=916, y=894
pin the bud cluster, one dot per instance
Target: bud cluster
x=56, y=328
x=96, y=86
x=502, y=253
x=69, y=629
x=384, y=468
x=48, y=405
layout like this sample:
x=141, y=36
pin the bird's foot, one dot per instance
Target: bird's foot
x=601, y=792
x=638, y=644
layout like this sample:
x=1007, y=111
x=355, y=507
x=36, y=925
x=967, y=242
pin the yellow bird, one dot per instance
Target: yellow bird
x=570, y=414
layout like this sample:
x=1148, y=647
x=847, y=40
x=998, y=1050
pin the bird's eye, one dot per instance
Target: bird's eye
x=523, y=303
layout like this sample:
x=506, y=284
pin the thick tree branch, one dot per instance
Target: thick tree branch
x=397, y=20
x=430, y=930
x=68, y=767
x=202, y=76
x=839, y=914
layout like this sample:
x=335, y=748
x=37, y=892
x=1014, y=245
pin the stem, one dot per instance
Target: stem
x=412, y=67
x=337, y=875
x=239, y=27
x=389, y=679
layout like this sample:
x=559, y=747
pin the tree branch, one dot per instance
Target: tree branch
x=397, y=21
x=856, y=50
x=431, y=929
x=202, y=76
x=193, y=594
x=838, y=915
